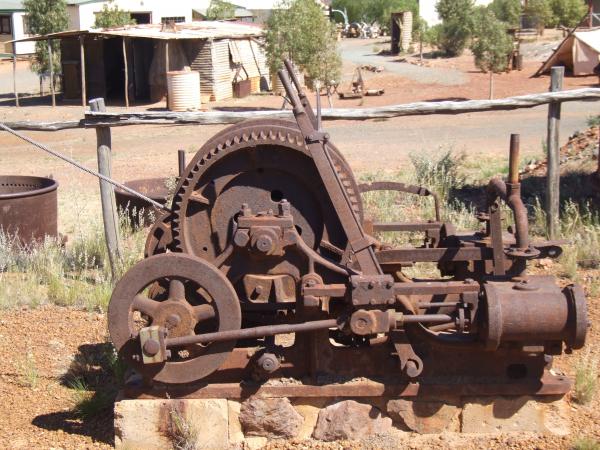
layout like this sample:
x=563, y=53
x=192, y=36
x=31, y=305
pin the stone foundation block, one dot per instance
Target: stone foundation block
x=158, y=424
x=425, y=417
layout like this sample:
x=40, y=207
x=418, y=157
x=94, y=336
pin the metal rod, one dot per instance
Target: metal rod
x=513, y=170
x=318, y=89
x=425, y=318
x=126, y=72
x=437, y=305
x=181, y=161
x=252, y=333
x=85, y=169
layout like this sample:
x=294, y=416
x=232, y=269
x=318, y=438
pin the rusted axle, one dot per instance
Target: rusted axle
x=272, y=330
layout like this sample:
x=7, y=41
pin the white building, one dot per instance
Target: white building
x=82, y=13
x=13, y=25
x=428, y=13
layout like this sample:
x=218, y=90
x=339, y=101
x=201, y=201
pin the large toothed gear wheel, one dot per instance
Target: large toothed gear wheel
x=258, y=162
x=184, y=294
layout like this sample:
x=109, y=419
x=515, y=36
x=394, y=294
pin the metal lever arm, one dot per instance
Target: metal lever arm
x=360, y=244
x=303, y=98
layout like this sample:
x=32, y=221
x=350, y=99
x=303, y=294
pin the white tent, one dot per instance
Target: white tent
x=580, y=52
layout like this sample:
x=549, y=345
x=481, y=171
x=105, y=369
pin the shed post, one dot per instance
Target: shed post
x=14, y=64
x=107, y=192
x=553, y=175
x=82, y=65
x=126, y=72
x=51, y=64
x=167, y=72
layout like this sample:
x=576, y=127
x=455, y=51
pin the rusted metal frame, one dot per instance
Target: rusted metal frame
x=416, y=288
x=496, y=237
x=407, y=188
x=358, y=241
x=455, y=254
x=410, y=227
x=548, y=385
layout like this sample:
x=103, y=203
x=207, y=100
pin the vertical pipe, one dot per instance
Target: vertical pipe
x=167, y=71
x=513, y=170
x=51, y=64
x=181, y=161
x=82, y=66
x=553, y=175
x=126, y=73
x=107, y=192
x=14, y=62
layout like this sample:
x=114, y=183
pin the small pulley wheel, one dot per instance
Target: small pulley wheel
x=185, y=295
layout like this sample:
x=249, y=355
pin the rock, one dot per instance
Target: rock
x=349, y=419
x=424, y=417
x=504, y=414
x=270, y=417
x=147, y=424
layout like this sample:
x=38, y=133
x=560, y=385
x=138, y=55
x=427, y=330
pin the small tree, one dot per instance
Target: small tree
x=455, y=32
x=46, y=16
x=380, y=11
x=492, y=46
x=301, y=32
x=111, y=17
x=508, y=11
x=220, y=10
x=567, y=13
x=540, y=13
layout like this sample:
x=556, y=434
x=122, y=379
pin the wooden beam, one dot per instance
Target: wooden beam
x=167, y=72
x=82, y=66
x=553, y=144
x=106, y=119
x=107, y=191
x=126, y=73
x=51, y=64
x=14, y=61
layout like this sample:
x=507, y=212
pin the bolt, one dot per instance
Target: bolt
x=151, y=347
x=173, y=320
x=241, y=238
x=284, y=208
x=258, y=289
x=264, y=244
x=391, y=301
x=389, y=284
x=371, y=285
x=373, y=301
x=354, y=285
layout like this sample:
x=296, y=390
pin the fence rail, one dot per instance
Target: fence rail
x=114, y=119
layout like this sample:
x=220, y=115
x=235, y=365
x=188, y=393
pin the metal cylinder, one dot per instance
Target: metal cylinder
x=28, y=207
x=141, y=212
x=533, y=311
x=184, y=90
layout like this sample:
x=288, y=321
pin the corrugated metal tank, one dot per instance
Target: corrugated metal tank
x=184, y=90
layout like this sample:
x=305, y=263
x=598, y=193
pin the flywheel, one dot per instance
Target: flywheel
x=184, y=295
x=257, y=163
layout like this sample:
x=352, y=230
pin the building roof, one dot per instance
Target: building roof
x=11, y=5
x=195, y=30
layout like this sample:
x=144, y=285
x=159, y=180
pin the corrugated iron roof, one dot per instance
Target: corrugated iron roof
x=195, y=30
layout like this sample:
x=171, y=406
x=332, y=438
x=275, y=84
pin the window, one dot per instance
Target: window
x=26, y=25
x=5, y=27
x=176, y=19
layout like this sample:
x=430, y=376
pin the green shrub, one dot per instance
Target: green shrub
x=540, y=13
x=508, y=11
x=492, y=46
x=567, y=13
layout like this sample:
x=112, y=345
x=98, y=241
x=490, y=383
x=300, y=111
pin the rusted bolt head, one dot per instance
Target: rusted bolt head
x=268, y=362
x=241, y=238
x=173, y=320
x=258, y=289
x=264, y=243
x=151, y=347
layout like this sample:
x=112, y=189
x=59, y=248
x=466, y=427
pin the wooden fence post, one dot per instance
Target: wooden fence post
x=51, y=64
x=107, y=192
x=553, y=144
x=14, y=62
x=82, y=67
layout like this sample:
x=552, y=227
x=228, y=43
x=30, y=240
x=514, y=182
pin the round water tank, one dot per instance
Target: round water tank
x=183, y=90
x=28, y=207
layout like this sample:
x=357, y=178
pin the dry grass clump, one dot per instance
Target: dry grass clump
x=75, y=274
x=586, y=379
x=182, y=433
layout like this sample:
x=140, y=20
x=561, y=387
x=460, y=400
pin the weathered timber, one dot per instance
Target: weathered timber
x=112, y=119
x=553, y=145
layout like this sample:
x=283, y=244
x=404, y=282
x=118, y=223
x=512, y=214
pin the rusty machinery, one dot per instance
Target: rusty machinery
x=267, y=268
